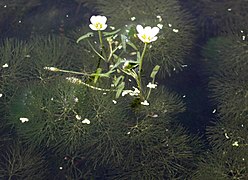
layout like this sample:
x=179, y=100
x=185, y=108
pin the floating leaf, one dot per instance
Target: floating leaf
x=117, y=80
x=154, y=71
x=111, y=33
x=120, y=88
x=132, y=45
x=124, y=42
x=97, y=74
x=90, y=34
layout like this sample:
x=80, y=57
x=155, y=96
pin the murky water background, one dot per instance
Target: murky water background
x=200, y=129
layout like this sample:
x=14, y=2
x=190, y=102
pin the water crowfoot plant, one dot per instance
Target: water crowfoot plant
x=116, y=67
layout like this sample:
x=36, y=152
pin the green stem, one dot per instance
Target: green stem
x=101, y=45
x=150, y=89
x=73, y=72
x=96, y=51
x=140, y=69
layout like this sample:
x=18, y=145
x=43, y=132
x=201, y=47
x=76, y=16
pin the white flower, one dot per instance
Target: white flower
x=1, y=95
x=5, y=65
x=114, y=101
x=147, y=34
x=86, y=121
x=151, y=86
x=98, y=23
x=23, y=120
x=145, y=103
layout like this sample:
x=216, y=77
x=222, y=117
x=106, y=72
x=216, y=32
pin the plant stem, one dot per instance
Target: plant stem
x=140, y=69
x=101, y=45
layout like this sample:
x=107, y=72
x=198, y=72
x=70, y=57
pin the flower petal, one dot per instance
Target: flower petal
x=93, y=27
x=93, y=19
x=154, y=39
x=154, y=31
x=141, y=38
x=147, y=29
x=103, y=19
x=139, y=28
x=104, y=27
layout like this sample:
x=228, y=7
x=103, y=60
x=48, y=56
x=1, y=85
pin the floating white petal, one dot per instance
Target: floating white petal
x=86, y=121
x=23, y=120
x=145, y=103
x=78, y=117
x=5, y=65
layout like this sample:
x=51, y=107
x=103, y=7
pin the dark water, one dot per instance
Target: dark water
x=201, y=100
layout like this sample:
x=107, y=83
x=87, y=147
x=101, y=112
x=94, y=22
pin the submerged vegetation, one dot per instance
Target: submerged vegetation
x=94, y=103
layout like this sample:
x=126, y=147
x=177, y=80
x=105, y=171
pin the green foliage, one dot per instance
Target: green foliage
x=152, y=147
x=219, y=17
x=52, y=51
x=171, y=48
x=14, y=61
x=223, y=165
x=224, y=54
x=21, y=162
x=50, y=108
x=226, y=61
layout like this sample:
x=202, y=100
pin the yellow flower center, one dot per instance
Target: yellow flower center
x=98, y=25
x=146, y=38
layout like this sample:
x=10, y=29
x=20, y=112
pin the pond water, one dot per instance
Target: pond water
x=123, y=89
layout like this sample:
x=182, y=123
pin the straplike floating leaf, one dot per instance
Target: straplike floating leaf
x=117, y=80
x=124, y=42
x=154, y=71
x=132, y=45
x=111, y=33
x=90, y=34
x=120, y=88
x=97, y=74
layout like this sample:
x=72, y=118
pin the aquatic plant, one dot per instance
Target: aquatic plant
x=176, y=29
x=219, y=17
x=51, y=51
x=40, y=112
x=14, y=62
x=110, y=55
x=225, y=59
x=227, y=53
x=154, y=148
x=223, y=165
x=21, y=162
